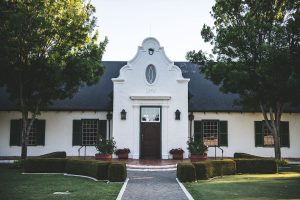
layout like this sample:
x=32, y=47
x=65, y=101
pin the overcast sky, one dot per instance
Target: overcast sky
x=175, y=23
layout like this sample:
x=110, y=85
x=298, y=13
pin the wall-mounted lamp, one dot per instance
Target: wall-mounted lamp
x=177, y=115
x=109, y=116
x=123, y=114
x=151, y=51
x=191, y=116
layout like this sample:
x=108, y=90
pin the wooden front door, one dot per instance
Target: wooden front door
x=150, y=132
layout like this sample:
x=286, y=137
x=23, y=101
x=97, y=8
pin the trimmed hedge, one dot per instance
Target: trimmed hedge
x=256, y=166
x=42, y=165
x=56, y=154
x=100, y=170
x=186, y=172
x=212, y=168
x=117, y=172
x=96, y=169
x=245, y=156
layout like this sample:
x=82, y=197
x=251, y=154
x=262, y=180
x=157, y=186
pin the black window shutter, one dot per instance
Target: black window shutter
x=259, y=142
x=15, y=132
x=40, y=137
x=77, y=135
x=223, y=133
x=284, y=134
x=102, y=128
x=198, y=131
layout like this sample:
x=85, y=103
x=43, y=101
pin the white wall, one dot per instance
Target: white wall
x=170, y=91
x=58, y=133
x=241, y=136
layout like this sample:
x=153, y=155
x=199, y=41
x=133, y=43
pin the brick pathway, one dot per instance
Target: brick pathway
x=153, y=186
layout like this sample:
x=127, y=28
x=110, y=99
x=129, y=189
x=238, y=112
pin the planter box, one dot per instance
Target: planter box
x=196, y=157
x=123, y=155
x=177, y=156
x=106, y=157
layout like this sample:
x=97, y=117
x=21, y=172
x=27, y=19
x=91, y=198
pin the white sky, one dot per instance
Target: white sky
x=175, y=23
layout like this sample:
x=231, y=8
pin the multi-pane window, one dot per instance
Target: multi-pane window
x=210, y=133
x=35, y=137
x=268, y=137
x=31, y=138
x=264, y=138
x=89, y=131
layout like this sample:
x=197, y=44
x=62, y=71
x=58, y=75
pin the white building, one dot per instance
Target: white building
x=152, y=101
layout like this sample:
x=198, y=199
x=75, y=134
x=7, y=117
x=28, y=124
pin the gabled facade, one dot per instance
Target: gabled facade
x=156, y=105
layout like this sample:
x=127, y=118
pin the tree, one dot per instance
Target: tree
x=256, y=47
x=48, y=50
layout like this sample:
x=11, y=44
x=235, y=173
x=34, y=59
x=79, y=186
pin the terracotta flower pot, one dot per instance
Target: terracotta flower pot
x=177, y=156
x=196, y=157
x=99, y=156
x=123, y=155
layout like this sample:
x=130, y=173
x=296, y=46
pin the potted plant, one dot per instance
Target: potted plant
x=177, y=153
x=105, y=148
x=198, y=150
x=122, y=153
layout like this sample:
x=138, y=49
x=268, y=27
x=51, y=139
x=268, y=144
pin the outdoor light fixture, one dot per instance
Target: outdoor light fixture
x=151, y=51
x=191, y=117
x=123, y=114
x=109, y=116
x=177, y=115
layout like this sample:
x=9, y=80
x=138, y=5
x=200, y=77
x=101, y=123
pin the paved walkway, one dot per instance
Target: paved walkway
x=153, y=185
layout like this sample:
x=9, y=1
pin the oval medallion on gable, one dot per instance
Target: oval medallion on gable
x=150, y=74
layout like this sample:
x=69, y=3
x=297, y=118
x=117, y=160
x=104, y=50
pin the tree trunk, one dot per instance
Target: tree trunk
x=24, y=135
x=273, y=124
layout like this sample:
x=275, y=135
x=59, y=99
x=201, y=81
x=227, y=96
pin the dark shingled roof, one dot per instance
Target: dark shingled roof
x=203, y=94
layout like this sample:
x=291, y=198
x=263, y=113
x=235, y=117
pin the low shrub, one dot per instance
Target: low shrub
x=95, y=169
x=282, y=162
x=117, y=172
x=42, y=165
x=102, y=170
x=256, y=166
x=203, y=170
x=212, y=168
x=17, y=164
x=57, y=154
x=245, y=156
x=186, y=172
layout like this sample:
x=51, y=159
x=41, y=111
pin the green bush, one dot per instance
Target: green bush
x=282, y=162
x=17, y=164
x=42, y=165
x=57, y=154
x=102, y=170
x=82, y=167
x=95, y=169
x=186, y=172
x=117, y=172
x=212, y=168
x=245, y=156
x=203, y=170
x=256, y=166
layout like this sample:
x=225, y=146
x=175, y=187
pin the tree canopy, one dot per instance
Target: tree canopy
x=48, y=50
x=256, y=47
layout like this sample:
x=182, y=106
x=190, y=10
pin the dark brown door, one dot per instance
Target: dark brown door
x=150, y=133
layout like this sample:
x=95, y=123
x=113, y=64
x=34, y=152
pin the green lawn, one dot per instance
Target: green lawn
x=14, y=185
x=285, y=185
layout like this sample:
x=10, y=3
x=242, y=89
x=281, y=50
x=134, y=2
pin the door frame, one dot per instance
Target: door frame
x=140, y=140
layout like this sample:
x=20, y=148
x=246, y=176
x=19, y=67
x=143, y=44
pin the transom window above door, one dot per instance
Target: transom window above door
x=150, y=114
x=150, y=74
